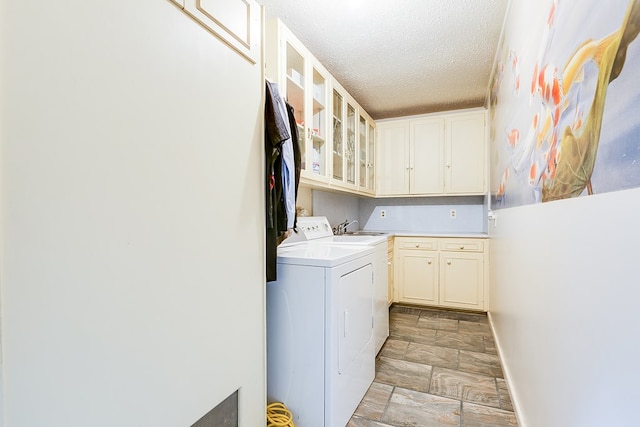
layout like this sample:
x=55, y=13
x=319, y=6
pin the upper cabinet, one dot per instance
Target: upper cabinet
x=332, y=127
x=235, y=22
x=366, y=153
x=465, y=153
x=305, y=85
x=438, y=154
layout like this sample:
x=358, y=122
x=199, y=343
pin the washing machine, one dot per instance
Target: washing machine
x=320, y=343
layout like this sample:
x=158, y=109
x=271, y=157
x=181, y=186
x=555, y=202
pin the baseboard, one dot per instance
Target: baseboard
x=507, y=375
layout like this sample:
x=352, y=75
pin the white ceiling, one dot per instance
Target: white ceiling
x=401, y=57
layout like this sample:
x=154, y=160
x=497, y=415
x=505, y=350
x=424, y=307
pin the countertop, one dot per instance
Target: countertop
x=406, y=233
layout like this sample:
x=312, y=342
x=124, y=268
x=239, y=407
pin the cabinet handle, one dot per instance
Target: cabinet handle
x=308, y=133
x=448, y=262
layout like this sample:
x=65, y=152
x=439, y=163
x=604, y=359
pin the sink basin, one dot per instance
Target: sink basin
x=364, y=233
x=352, y=238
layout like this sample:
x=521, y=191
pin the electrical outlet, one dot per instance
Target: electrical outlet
x=383, y=213
x=452, y=213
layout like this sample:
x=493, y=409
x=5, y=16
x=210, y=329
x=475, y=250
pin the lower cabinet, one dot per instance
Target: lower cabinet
x=445, y=272
x=391, y=278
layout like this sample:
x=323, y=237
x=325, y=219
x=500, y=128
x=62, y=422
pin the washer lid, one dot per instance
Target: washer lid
x=325, y=255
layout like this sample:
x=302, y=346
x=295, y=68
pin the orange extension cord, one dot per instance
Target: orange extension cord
x=279, y=416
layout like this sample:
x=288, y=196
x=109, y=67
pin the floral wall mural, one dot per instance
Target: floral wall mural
x=564, y=103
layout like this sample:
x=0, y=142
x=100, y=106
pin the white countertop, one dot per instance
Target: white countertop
x=406, y=233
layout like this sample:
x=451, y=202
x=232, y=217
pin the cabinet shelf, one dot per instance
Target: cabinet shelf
x=295, y=95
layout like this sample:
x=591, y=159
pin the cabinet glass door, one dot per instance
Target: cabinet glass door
x=318, y=129
x=362, y=153
x=350, y=146
x=296, y=95
x=371, y=152
x=338, y=145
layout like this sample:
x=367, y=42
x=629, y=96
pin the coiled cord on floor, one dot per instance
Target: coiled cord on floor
x=279, y=416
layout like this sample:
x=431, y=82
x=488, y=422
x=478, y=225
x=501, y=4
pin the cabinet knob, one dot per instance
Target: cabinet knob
x=429, y=262
x=461, y=246
x=448, y=165
x=448, y=262
x=388, y=262
x=417, y=245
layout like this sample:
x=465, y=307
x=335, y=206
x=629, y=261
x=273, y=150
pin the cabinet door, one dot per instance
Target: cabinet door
x=427, y=156
x=418, y=276
x=338, y=137
x=315, y=163
x=236, y=23
x=362, y=153
x=392, y=167
x=390, y=282
x=371, y=159
x=295, y=93
x=462, y=280
x=465, y=162
x=350, y=146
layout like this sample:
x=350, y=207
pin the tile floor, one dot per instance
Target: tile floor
x=437, y=368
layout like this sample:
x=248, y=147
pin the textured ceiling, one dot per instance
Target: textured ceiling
x=400, y=57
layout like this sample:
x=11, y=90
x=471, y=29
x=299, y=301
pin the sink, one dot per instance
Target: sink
x=351, y=238
x=364, y=233
x=365, y=238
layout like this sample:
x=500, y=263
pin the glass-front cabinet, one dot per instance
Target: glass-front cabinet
x=345, y=140
x=371, y=156
x=350, y=146
x=362, y=153
x=366, y=154
x=295, y=91
x=317, y=132
x=304, y=83
x=338, y=137
x=335, y=135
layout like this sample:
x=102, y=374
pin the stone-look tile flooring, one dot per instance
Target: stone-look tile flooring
x=437, y=368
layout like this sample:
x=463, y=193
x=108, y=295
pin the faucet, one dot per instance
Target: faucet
x=342, y=227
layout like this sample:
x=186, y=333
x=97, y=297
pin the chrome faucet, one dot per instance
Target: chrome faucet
x=342, y=227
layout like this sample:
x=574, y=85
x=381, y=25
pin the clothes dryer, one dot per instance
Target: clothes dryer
x=320, y=345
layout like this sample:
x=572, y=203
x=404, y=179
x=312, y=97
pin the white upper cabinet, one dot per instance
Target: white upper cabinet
x=438, y=154
x=305, y=85
x=392, y=167
x=426, y=156
x=366, y=153
x=465, y=153
x=336, y=135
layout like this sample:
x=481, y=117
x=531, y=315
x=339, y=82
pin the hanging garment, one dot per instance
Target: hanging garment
x=297, y=157
x=276, y=132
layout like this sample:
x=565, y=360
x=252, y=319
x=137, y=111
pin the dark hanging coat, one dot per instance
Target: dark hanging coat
x=277, y=130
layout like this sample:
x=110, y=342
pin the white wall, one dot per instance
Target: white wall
x=424, y=214
x=337, y=207
x=132, y=226
x=564, y=275
x=564, y=302
x=415, y=214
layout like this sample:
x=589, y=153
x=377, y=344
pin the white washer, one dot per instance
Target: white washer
x=320, y=346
